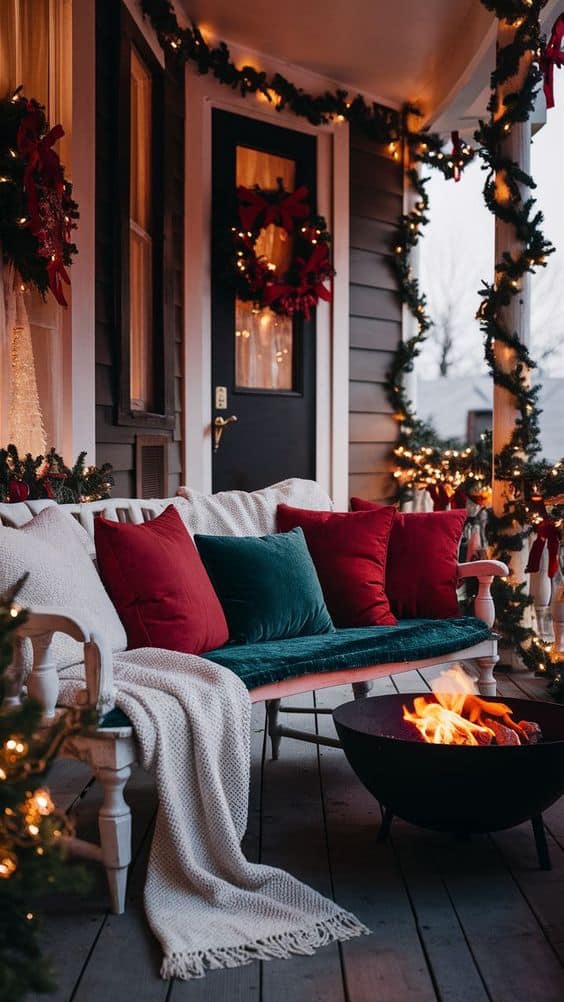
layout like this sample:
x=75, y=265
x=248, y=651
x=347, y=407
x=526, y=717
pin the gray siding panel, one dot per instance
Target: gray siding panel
x=375, y=324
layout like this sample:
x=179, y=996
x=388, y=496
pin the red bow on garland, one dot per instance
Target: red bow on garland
x=456, y=153
x=44, y=186
x=551, y=57
x=256, y=211
x=547, y=535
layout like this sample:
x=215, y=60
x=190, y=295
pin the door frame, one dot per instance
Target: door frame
x=332, y=327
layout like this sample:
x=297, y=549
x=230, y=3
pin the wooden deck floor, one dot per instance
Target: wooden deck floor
x=460, y=921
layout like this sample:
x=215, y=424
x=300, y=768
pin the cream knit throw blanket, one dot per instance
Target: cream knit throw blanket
x=205, y=902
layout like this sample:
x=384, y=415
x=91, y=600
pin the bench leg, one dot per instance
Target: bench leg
x=272, y=710
x=114, y=822
x=361, y=689
x=486, y=681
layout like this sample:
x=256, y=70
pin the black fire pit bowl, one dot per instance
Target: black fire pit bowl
x=454, y=788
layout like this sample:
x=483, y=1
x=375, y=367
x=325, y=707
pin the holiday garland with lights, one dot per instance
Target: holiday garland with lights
x=32, y=830
x=423, y=459
x=37, y=211
x=47, y=477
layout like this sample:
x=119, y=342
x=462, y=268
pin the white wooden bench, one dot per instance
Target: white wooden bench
x=111, y=752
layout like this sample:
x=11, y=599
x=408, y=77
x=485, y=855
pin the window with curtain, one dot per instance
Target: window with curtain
x=145, y=370
x=35, y=51
x=140, y=238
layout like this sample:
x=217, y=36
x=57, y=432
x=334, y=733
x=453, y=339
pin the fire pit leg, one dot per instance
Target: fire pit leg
x=541, y=843
x=387, y=818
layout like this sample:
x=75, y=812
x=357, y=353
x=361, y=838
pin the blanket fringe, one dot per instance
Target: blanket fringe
x=302, y=942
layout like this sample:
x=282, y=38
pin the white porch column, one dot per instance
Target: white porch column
x=516, y=316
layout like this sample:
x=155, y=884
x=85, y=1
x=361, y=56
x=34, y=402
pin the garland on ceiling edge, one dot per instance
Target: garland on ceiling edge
x=385, y=125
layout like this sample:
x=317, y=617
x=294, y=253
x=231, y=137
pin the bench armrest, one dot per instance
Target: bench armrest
x=43, y=683
x=484, y=571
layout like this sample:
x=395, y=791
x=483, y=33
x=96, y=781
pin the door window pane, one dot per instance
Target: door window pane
x=264, y=340
x=140, y=239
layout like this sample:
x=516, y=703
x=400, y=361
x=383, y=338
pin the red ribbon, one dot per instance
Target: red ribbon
x=18, y=490
x=547, y=535
x=309, y=289
x=551, y=57
x=439, y=496
x=256, y=211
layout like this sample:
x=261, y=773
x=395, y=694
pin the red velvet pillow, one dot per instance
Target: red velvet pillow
x=349, y=553
x=159, y=585
x=422, y=559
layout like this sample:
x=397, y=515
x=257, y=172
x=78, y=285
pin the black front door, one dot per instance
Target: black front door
x=263, y=365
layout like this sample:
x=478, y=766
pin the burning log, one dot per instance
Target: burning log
x=531, y=733
x=460, y=717
x=503, y=735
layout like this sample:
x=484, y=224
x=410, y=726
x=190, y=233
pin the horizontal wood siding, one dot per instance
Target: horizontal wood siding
x=376, y=200
x=115, y=443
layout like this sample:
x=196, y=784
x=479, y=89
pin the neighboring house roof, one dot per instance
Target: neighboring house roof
x=447, y=402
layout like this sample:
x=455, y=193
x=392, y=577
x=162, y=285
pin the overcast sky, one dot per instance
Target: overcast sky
x=457, y=252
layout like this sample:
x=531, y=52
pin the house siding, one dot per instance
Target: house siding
x=116, y=443
x=376, y=201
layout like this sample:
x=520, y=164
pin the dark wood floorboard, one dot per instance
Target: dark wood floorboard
x=451, y=921
x=389, y=964
x=293, y=838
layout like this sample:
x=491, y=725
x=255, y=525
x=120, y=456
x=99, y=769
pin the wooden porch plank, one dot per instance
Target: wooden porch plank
x=510, y=949
x=389, y=964
x=73, y=923
x=125, y=960
x=242, y=984
x=541, y=889
x=455, y=973
x=410, y=681
x=293, y=838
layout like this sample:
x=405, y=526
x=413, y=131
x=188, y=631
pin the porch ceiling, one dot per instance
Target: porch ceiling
x=394, y=51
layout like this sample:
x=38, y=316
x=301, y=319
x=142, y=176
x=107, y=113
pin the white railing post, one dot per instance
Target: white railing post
x=43, y=683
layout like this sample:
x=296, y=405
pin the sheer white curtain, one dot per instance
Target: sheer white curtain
x=35, y=51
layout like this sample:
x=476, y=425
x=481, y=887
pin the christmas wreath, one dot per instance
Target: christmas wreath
x=37, y=211
x=298, y=289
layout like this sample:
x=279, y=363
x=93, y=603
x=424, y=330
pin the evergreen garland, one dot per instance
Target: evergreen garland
x=516, y=463
x=48, y=477
x=31, y=829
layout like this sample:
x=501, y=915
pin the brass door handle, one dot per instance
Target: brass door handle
x=219, y=426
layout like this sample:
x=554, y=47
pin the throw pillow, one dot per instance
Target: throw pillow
x=267, y=586
x=422, y=560
x=159, y=585
x=61, y=575
x=349, y=552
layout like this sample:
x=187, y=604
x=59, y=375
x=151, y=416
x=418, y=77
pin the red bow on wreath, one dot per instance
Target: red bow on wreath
x=309, y=288
x=44, y=186
x=257, y=211
x=547, y=535
x=551, y=57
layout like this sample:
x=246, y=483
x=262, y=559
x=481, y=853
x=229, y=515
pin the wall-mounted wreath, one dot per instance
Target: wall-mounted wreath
x=301, y=285
x=37, y=211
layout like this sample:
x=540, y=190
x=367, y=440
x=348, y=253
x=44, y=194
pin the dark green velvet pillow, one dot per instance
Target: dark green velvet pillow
x=267, y=585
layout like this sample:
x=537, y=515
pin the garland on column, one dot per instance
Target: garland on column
x=531, y=483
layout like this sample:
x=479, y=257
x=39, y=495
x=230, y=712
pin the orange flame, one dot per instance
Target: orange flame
x=458, y=716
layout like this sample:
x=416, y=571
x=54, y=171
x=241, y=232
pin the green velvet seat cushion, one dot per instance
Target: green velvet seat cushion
x=275, y=660
x=267, y=585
